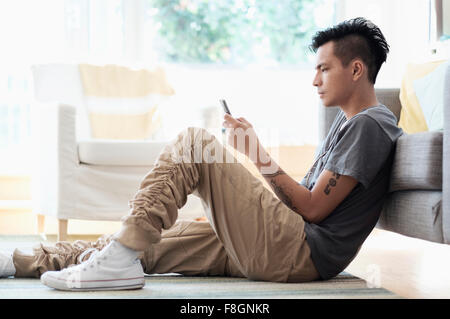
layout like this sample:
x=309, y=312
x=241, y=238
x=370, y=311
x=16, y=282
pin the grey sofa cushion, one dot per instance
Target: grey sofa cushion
x=417, y=162
x=414, y=213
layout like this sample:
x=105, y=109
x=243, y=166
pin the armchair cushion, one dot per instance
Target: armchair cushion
x=122, y=102
x=125, y=126
x=418, y=162
x=119, y=153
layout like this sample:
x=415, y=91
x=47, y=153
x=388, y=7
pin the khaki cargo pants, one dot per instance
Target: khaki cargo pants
x=250, y=232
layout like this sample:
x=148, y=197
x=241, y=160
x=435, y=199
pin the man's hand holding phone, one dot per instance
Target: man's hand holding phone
x=240, y=134
x=242, y=137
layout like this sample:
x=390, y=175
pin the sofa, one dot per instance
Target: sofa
x=418, y=201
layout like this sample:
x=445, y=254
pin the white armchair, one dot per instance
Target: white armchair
x=76, y=176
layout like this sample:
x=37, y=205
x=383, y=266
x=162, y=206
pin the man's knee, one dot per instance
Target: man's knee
x=197, y=145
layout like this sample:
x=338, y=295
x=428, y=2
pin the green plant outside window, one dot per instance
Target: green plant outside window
x=234, y=31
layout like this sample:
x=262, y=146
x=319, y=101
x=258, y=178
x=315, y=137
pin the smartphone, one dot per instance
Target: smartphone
x=225, y=106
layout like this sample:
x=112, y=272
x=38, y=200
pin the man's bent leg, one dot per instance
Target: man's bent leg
x=262, y=236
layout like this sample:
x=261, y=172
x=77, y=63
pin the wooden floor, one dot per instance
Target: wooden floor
x=410, y=267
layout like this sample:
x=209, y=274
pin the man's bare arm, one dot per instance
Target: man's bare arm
x=292, y=194
x=279, y=182
x=315, y=205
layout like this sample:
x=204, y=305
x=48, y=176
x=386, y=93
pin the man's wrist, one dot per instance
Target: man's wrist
x=263, y=158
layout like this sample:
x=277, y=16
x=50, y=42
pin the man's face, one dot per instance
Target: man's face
x=334, y=82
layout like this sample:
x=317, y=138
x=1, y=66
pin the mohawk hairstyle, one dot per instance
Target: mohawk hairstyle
x=356, y=38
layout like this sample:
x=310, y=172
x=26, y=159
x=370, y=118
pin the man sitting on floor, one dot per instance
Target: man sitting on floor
x=308, y=231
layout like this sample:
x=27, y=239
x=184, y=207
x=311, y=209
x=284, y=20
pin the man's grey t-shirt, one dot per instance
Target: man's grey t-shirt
x=362, y=147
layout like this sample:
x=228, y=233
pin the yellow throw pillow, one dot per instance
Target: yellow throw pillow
x=119, y=81
x=124, y=126
x=412, y=119
x=122, y=102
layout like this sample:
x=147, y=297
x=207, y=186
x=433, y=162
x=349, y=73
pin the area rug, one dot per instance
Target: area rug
x=174, y=286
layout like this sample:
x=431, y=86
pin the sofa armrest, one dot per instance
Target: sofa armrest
x=55, y=157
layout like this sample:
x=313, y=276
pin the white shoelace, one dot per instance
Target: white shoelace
x=87, y=251
x=93, y=260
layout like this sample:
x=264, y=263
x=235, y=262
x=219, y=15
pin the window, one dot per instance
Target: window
x=30, y=32
x=233, y=32
x=253, y=53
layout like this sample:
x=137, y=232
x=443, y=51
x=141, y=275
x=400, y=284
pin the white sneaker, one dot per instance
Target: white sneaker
x=112, y=268
x=6, y=265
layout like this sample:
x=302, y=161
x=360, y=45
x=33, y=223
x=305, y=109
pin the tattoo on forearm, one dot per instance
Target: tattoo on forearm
x=331, y=183
x=279, y=191
x=282, y=195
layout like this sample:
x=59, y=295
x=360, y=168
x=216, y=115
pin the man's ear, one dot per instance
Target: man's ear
x=358, y=69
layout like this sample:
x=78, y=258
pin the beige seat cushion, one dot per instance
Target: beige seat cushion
x=119, y=153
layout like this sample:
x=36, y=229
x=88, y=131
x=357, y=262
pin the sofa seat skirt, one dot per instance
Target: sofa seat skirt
x=415, y=213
